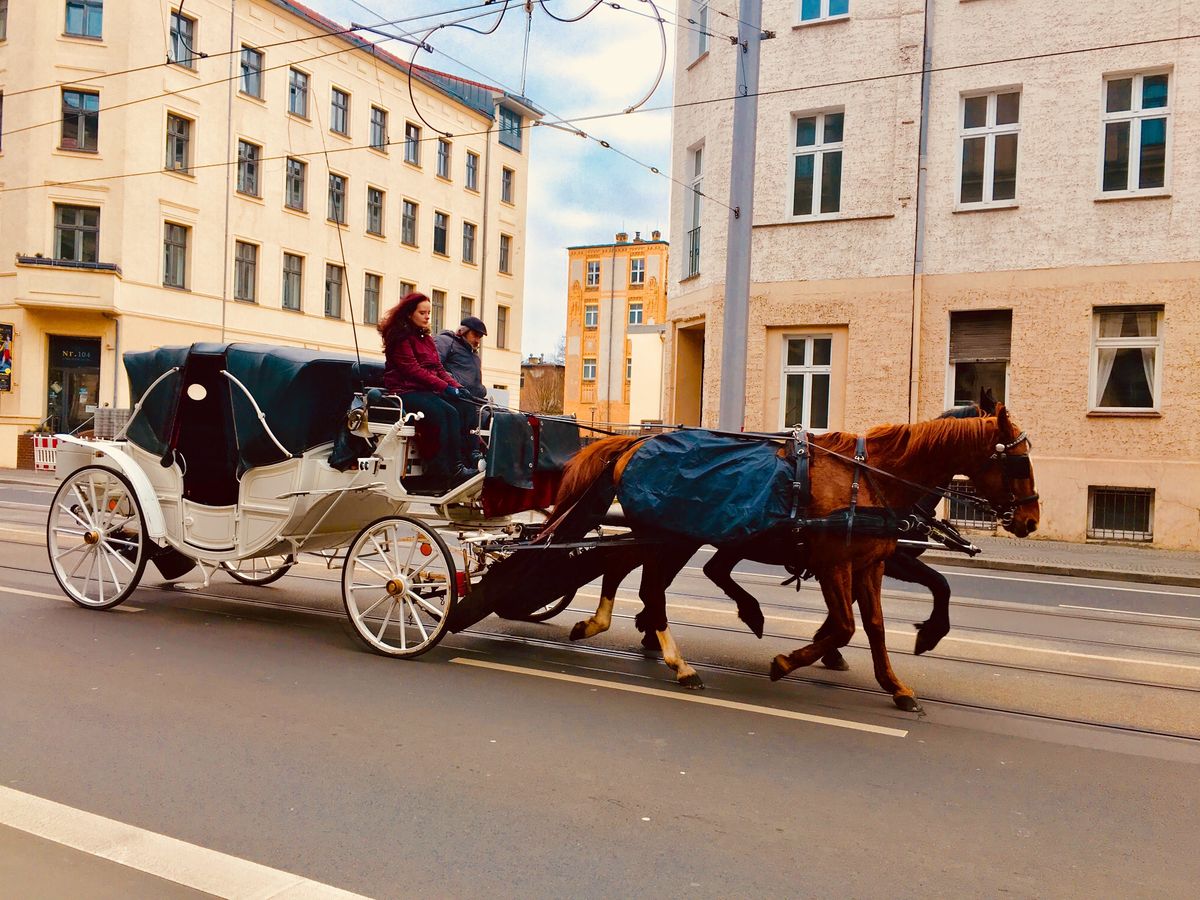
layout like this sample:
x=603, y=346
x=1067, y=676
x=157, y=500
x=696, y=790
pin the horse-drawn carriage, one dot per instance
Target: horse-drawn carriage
x=240, y=457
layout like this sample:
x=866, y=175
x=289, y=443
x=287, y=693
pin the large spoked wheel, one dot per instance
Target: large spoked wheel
x=95, y=537
x=399, y=586
x=259, y=571
x=550, y=610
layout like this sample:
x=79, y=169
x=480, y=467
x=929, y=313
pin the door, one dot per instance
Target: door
x=73, y=382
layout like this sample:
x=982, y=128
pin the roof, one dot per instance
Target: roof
x=641, y=243
x=474, y=94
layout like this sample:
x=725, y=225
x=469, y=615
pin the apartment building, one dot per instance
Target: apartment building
x=616, y=314
x=1050, y=253
x=237, y=171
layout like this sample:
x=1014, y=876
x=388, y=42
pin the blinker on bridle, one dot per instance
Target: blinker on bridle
x=1013, y=467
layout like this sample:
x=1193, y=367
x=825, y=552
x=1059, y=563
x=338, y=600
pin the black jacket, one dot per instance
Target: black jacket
x=462, y=362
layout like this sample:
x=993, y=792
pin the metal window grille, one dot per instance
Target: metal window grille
x=1121, y=514
x=965, y=514
x=693, y=239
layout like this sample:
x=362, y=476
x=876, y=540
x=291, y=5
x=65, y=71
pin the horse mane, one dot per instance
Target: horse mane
x=901, y=445
x=586, y=466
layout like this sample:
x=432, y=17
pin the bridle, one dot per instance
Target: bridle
x=1013, y=467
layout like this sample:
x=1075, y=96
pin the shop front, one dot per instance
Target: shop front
x=72, y=382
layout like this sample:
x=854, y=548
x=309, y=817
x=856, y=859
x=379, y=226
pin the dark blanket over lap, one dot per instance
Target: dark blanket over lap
x=709, y=487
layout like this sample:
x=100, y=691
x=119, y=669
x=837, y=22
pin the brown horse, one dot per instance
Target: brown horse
x=991, y=451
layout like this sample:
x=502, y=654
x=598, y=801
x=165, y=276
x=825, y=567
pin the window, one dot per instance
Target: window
x=443, y=158
x=293, y=280
x=990, y=126
x=339, y=111
x=412, y=143
x=80, y=121
x=637, y=270
x=501, y=327
x=248, y=165
x=3, y=20
x=179, y=143
x=408, y=224
x=374, y=210
x=295, y=178
x=466, y=307
x=468, y=253
x=807, y=370
x=245, y=271
x=252, y=66
x=175, y=247
x=337, y=199
x=85, y=18
x=817, y=184
x=980, y=344
x=371, y=290
x=472, y=171
x=1127, y=349
x=693, y=213
x=591, y=316
x=629, y=368
x=1122, y=514
x=589, y=368
x=635, y=313
x=823, y=10
x=298, y=93
x=441, y=226
x=335, y=279
x=437, y=316
x=700, y=41
x=77, y=233
x=510, y=128
x=506, y=254
x=592, y=279
x=183, y=40
x=1136, y=111
x=379, y=137
x=406, y=288
x=506, y=184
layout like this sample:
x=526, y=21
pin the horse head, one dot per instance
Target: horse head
x=1005, y=477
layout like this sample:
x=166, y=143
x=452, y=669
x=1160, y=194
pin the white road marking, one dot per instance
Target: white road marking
x=686, y=698
x=1129, y=612
x=156, y=854
x=24, y=593
x=1076, y=583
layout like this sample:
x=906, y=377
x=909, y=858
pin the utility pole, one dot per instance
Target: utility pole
x=732, y=410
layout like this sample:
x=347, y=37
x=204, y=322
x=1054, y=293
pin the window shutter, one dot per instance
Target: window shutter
x=980, y=336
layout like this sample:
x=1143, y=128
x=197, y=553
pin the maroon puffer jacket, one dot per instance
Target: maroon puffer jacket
x=413, y=365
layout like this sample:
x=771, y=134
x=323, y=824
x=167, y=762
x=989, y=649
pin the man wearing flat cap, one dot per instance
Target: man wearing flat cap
x=459, y=352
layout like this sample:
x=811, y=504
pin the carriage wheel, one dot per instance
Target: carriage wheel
x=399, y=586
x=95, y=538
x=550, y=610
x=260, y=570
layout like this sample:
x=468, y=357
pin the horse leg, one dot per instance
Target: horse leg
x=620, y=566
x=658, y=571
x=833, y=659
x=837, y=588
x=867, y=584
x=907, y=567
x=719, y=570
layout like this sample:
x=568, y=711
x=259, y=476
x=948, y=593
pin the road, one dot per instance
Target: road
x=1058, y=754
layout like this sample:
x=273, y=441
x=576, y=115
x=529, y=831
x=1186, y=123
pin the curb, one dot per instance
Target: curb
x=1009, y=565
x=32, y=481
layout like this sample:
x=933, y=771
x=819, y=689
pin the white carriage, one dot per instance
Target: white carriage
x=225, y=463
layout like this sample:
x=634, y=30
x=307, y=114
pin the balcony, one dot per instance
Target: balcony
x=50, y=284
x=693, y=251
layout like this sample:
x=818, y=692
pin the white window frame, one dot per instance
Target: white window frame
x=251, y=76
x=989, y=132
x=591, y=315
x=818, y=149
x=1157, y=343
x=299, y=83
x=592, y=273
x=809, y=369
x=823, y=16
x=637, y=270
x=700, y=35
x=636, y=313
x=1135, y=116
x=589, y=363
x=176, y=140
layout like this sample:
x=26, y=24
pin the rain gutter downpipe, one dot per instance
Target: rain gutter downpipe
x=918, y=276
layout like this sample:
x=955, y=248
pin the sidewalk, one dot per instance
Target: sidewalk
x=1117, y=562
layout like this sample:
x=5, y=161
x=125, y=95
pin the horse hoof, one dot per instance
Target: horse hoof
x=692, y=682
x=778, y=669
x=836, y=663
x=754, y=620
x=927, y=639
x=907, y=702
x=578, y=631
x=650, y=643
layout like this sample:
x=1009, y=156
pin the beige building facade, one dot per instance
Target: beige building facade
x=616, y=314
x=1050, y=253
x=271, y=183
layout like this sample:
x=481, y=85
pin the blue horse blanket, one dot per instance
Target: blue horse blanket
x=709, y=487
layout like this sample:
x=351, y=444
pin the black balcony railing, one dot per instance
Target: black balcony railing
x=693, y=267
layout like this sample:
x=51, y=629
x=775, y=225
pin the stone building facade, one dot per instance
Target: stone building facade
x=1051, y=255
x=270, y=183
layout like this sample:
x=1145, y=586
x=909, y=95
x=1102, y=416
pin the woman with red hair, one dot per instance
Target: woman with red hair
x=414, y=371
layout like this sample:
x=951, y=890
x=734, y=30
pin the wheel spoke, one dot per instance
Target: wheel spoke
x=83, y=505
x=75, y=534
x=383, y=554
x=107, y=557
x=411, y=553
x=70, y=512
x=417, y=619
x=91, y=569
x=426, y=605
x=126, y=563
x=87, y=548
x=372, y=570
x=366, y=612
x=120, y=542
x=387, y=618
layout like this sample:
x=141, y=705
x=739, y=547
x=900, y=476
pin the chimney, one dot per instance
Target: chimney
x=622, y=237
x=637, y=237
x=656, y=235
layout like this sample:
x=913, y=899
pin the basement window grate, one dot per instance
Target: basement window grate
x=1121, y=514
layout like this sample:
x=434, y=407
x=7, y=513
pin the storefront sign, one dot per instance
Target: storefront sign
x=6, y=357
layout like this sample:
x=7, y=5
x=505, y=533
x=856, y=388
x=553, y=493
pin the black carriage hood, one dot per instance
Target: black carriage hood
x=303, y=394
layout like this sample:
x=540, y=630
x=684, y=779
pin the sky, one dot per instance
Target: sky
x=578, y=192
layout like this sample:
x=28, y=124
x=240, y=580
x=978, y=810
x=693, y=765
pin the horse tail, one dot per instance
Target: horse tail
x=588, y=465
